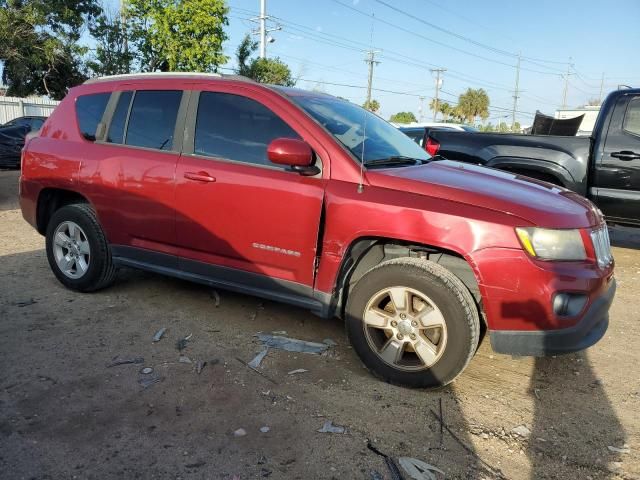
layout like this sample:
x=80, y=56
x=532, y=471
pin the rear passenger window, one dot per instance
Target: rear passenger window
x=153, y=119
x=89, y=110
x=237, y=128
x=119, y=119
x=632, y=117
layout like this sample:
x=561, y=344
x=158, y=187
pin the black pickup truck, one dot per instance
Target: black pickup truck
x=604, y=167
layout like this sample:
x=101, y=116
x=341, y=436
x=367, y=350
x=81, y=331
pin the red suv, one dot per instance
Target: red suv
x=308, y=199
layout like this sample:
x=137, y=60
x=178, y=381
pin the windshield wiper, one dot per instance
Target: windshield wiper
x=394, y=160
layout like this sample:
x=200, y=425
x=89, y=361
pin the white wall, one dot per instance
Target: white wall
x=12, y=107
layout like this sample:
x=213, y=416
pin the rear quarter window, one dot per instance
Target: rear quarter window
x=632, y=117
x=89, y=111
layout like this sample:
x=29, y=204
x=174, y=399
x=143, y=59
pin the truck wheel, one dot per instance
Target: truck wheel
x=413, y=323
x=77, y=249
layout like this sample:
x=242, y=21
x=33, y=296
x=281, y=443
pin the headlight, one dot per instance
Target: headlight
x=548, y=244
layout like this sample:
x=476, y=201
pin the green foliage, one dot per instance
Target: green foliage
x=372, y=106
x=263, y=70
x=472, y=104
x=516, y=128
x=178, y=35
x=403, y=117
x=38, y=45
x=445, y=109
x=112, y=54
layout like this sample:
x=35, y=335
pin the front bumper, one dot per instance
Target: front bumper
x=587, y=332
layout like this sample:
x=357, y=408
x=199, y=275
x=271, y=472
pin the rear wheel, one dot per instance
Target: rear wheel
x=413, y=323
x=77, y=249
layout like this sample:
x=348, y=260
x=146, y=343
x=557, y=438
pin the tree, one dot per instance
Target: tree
x=445, y=109
x=39, y=45
x=112, y=55
x=403, y=117
x=516, y=127
x=263, y=70
x=474, y=103
x=372, y=105
x=178, y=35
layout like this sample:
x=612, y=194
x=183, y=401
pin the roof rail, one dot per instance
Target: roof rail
x=138, y=76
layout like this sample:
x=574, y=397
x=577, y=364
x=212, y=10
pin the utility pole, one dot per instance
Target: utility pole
x=515, y=94
x=371, y=55
x=123, y=26
x=262, y=29
x=437, y=103
x=566, y=84
x=601, y=89
x=420, y=107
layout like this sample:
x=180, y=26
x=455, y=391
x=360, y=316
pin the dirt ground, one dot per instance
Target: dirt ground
x=64, y=414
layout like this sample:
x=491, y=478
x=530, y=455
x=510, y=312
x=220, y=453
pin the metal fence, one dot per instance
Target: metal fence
x=12, y=107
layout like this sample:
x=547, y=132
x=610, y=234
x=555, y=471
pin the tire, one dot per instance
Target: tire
x=432, y=296
x=99, y=270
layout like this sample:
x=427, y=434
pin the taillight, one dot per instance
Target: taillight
x=432, y=147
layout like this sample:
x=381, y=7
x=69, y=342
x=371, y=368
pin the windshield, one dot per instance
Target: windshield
x=347, y=123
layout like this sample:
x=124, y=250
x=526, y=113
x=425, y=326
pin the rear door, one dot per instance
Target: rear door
x=237, y=214
x=617, y=176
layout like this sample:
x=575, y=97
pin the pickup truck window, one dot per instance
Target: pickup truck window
x=348, y=123
x=119, y=119
x=89, y=111
x=632, y=117
x=237, y=128
x=153, y=118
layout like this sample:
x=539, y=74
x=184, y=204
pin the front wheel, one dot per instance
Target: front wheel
x=413, y=323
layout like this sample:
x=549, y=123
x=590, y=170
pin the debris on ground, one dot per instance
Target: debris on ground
x=146, y=382
x=391, y=464
x=257, y=360
x=291, y=344
x=159, y=334
x=376, y=475
x=115, y=361
x=182, y=343
x=184, y=359
x=256, y=370
x=195, y=465
x=216, y=297
x=24, y=303
x=265, y=429
x=419, y=470
x=624, y=449
x=521, y=431
x=328, y=341
x=146, y=370
x=329, y=427
x=199, y=366
x=297, y=370
x=279, y=332
x=241, y=432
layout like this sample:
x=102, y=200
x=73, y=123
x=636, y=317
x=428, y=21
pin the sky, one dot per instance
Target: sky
x=325, y=42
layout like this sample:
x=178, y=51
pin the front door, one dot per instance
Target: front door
x=237, y=214
x=617, y=176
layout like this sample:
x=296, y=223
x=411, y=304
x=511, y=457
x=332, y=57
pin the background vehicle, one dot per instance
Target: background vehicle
x=12, y=138
x=277, y=192
x=420, y=135
x=604, y=167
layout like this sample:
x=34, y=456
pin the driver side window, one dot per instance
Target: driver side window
x=237, y=128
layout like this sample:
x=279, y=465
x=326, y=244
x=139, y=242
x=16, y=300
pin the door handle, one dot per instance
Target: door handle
x=199, y=176
x=626, y=155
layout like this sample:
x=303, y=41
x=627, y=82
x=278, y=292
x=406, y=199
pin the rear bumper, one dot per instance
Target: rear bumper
x=587, y=332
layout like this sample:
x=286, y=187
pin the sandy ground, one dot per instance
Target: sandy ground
x=64, y=414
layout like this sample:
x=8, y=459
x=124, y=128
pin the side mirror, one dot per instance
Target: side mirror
x=295, y=154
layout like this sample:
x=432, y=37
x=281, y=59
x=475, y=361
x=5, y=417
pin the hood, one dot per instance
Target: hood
x=536, y=202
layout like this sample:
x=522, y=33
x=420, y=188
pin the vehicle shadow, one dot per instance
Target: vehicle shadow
x=9, y=189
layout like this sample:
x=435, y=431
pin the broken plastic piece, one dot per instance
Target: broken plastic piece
x=291, y=344
x=146, y=382
x=257, y=360
x=265, y=429
x=624, y=449
x=182, y=343
x=159, y=334
x=199, y=366
x=216, y=296
x=329, y=427
x=146, y=370
x=241, y=432
x=184, y=359
x=419, y=470
x=125, y=361
x=297, y=370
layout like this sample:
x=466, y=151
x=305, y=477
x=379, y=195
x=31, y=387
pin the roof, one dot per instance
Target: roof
x=165, y=75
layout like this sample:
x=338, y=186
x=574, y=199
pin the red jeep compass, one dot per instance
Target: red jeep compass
x=308, y=199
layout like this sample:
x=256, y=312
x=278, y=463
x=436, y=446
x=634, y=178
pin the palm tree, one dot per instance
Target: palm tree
x=445, y=109
x=474, y=103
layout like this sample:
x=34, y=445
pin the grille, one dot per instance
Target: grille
x=602, y=246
